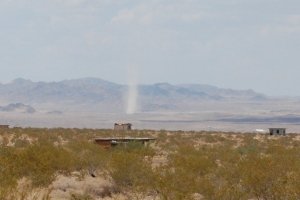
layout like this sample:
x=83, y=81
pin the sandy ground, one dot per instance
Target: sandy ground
x=64, y=186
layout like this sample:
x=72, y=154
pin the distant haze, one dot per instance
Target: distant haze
x=96, y=103
x=238, y=44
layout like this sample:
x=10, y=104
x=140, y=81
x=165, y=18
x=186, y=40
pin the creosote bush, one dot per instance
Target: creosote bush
x=210, y=164
x=130, y=168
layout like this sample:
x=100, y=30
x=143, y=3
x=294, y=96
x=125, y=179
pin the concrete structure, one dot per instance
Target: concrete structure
x=110, y=142
x=4, y=126
x=277, y=131
x=122, y=127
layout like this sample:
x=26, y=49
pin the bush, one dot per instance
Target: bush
x=253, y=169
x=130, y=170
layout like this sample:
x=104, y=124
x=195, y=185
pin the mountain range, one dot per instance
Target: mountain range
x=17, y=107
x=96, y=103
x=112, y=97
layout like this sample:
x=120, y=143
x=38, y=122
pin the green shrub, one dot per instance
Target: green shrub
x=80, y=197
x=88, y=156
x=257, y=169
x=130, y=170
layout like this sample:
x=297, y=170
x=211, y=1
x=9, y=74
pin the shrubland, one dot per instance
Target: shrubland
x=178, y=165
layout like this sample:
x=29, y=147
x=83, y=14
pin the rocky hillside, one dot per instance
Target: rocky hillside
x=112, y=97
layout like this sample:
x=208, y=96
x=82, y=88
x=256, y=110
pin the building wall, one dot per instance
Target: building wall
x=277, y=131
x=104, y=144
x=122, y=127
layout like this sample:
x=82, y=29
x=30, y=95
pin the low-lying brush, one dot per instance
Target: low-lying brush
x=193, y=165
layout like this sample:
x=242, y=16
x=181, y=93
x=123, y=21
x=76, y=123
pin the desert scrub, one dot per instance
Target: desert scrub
x=75, y=196
x=162, y=137
x=130, y=170
x=224, y=181
x=265, y=177
x=37, y=162
x=185, y=173
x=259, y=167
x=40, y=162
x=8, y=170
x=21, y=143
x=88, y=156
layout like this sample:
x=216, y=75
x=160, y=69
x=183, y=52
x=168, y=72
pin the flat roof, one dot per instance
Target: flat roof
x=124, y=139
x=277, y=128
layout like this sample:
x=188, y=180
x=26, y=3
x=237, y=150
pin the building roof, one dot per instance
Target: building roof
x=277, y=128
x=123, y=124
x=124, y=139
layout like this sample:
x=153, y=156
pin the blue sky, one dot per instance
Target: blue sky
x=239, y=44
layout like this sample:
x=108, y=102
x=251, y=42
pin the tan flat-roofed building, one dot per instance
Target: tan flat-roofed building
x=114, y=141
x=4, y=126
x=277, y=131
x=122, y=126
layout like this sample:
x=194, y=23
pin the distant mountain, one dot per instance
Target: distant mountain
x=17, y=107
x=106, y=96
x=88, y=89
x=197, y=91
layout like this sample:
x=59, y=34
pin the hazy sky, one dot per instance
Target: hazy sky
x=236, y=44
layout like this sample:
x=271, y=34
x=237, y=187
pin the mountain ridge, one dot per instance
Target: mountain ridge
x=113, y=96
